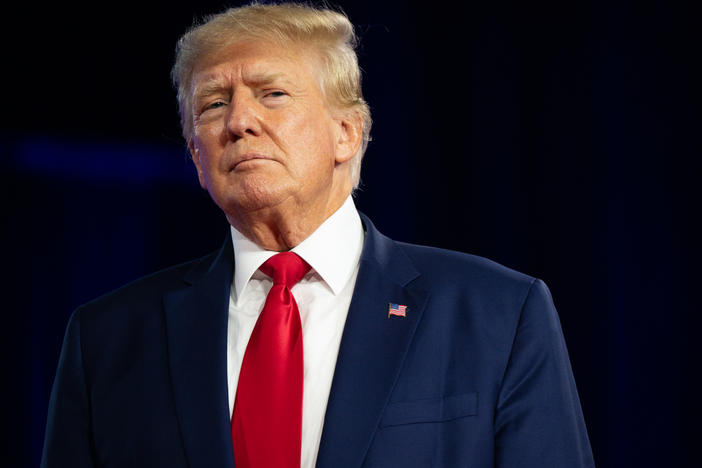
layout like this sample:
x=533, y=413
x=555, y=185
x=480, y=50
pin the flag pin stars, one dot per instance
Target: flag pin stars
x=397, y=309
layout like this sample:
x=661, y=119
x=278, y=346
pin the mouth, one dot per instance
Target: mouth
x=248, y=158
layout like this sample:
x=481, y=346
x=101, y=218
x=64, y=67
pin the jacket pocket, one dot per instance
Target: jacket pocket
x=430, y=410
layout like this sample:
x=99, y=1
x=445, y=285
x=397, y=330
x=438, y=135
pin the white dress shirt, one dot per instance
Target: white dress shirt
x=323, y=297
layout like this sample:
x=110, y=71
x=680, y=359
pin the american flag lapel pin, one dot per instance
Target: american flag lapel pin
x=397, y=309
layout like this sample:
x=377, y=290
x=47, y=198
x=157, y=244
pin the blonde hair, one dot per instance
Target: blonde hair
x=328, y=32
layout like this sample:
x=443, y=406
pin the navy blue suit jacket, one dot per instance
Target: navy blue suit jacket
x=476, y=375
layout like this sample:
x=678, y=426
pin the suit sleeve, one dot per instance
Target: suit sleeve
x=67, y=441
x=538, y=420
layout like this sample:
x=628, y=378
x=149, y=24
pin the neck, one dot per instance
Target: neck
x=284, y=226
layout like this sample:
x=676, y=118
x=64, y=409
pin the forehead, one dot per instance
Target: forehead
x=253, y=62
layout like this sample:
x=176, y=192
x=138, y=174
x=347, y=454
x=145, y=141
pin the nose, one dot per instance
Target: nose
x=244, y=118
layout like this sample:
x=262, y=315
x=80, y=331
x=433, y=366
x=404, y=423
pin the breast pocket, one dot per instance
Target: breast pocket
x=430, y=410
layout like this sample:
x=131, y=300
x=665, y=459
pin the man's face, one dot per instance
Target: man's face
x=263, y=132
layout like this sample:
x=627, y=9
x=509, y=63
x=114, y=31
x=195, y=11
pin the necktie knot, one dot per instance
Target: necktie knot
x=286, y=268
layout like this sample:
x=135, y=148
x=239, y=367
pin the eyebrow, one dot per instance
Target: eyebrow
x=217, y=85
x=209, y=88
x=264, y=78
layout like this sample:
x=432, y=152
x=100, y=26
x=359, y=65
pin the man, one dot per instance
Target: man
x=375, y=354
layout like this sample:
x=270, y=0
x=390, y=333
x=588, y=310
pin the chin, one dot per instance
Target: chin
x=250, y=199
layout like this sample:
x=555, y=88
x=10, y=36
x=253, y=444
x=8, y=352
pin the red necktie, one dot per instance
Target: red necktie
x=267, y=420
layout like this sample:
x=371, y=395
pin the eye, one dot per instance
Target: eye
x=274, y=96
x=213, y=105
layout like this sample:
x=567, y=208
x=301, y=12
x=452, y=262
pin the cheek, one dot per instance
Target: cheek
x=209, y=131
x=312, y=136
x=208, y=144
x=312, y=151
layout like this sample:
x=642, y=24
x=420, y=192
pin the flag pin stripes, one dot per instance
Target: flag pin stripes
x=397, y=309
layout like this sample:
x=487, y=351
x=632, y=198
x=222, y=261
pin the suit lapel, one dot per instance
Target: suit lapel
x=196, y=322
x=373, y=348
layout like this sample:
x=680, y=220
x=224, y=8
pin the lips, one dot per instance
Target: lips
x=248, y=157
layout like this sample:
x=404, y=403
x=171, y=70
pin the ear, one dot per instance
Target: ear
x=195, y=155
x=349, y=135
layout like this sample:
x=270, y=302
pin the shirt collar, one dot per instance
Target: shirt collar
x=332, y=250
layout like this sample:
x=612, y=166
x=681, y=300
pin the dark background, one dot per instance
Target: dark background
x=559, y=138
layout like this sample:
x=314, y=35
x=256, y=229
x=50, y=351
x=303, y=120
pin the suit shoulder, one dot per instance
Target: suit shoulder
x=151, y=287
x=479, y=291
x=470, y=281
x=440, y=263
